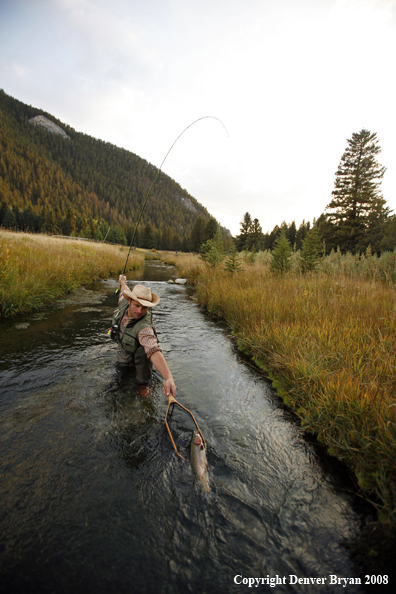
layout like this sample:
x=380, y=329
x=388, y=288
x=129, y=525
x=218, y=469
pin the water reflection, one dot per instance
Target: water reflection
x=94, y=497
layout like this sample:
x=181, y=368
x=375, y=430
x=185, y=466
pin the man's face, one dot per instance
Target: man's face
x=136, y=310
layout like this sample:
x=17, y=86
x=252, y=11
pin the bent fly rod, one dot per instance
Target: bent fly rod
x=155, y=178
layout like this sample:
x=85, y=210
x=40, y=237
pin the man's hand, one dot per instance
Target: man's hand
x=170, y=387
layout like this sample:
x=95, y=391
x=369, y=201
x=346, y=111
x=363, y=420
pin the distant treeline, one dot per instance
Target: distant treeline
x=381, y=239
x=86, y=187
x=252, y=237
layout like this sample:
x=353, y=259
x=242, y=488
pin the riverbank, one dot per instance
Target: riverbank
x=328, y=342
x=36, y=269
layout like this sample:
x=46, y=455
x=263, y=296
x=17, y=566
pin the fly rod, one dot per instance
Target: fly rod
x=154, y=180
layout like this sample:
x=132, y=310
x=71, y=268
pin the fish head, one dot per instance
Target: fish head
x=197, y=439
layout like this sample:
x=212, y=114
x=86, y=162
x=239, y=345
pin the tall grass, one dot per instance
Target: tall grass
x=328, y=341
x=188, y=265
x=36, y=269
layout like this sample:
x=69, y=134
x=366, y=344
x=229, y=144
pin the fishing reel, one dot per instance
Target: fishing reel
x=113, y=332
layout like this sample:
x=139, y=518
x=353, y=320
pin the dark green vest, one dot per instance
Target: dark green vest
x=129, y=338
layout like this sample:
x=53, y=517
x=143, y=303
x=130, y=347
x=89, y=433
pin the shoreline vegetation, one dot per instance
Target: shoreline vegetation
x=327, y=340
x=37, y=269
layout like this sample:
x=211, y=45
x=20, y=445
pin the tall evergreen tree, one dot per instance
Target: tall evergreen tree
x=291, y=233
x=256, y=237
x=357, y=200
x=196, y=236
x=70, y=222
x=148, y=240
x=281, y=256
x=210, y=229
x=301, y=233
x=242, y=240
x=311, y=250
x=9, y=219
x=271, y=237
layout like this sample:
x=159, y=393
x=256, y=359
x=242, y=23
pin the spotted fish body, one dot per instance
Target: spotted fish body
x=198, y=459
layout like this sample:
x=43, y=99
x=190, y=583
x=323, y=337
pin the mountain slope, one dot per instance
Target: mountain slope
x=73, y=183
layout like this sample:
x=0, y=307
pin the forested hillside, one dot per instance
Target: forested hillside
x=86, y=187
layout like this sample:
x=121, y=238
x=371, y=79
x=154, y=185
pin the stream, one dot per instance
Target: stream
x=94, y=498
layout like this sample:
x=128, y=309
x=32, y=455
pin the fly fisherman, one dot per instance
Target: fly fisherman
x=133, y=329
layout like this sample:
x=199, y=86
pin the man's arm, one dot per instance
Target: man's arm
x=161, y=365
x=123, y=286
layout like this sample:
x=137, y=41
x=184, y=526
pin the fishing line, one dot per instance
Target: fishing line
x=153, y=182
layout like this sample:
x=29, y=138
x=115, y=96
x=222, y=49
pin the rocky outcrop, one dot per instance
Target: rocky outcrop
x=186, y=203
x=41, y=120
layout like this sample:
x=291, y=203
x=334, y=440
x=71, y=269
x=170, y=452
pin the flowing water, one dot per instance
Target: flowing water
x=95, y=500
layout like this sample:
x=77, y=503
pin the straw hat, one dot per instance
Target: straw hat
x=143, y=295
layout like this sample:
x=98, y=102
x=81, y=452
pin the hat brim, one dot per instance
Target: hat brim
x=130, y=295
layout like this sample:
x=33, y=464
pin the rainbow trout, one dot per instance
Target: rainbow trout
x=198, y=459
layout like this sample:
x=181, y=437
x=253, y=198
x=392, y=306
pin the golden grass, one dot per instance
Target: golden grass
x=188, y=265
x=36, y=269
x=329, y=344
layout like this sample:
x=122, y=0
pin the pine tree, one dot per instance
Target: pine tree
x=9, y=220
x=291, y=234
x=357, y=199
x=212, y=251
x=196, y=236
x=148, y=236
x=210, y=229
x=70, y=223
x=388, y=241
x=233, y=263
x=246, y=228
x=256, y=237
x=281, y=256
x=311, y=250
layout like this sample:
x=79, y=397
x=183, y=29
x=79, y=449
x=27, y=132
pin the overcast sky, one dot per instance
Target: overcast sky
x=291, y=80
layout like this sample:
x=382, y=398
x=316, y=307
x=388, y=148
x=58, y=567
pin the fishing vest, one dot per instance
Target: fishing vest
x=128, y=339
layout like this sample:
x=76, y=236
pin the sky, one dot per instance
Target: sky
x=286, y=83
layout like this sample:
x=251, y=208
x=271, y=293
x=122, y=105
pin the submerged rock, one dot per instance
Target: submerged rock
x=76, y=406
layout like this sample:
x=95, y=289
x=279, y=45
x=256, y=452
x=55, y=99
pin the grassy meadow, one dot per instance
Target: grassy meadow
x=36, y=269
x=328, y=341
